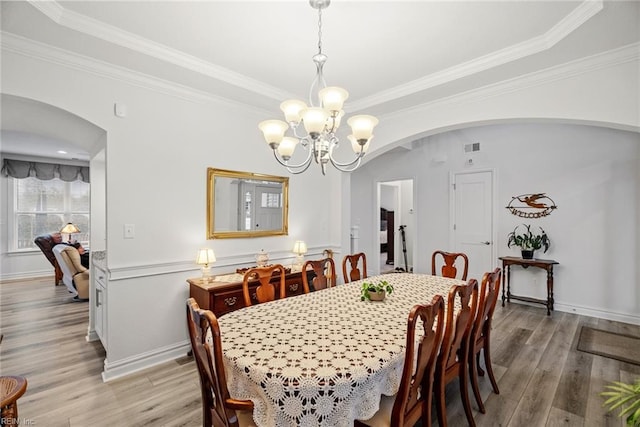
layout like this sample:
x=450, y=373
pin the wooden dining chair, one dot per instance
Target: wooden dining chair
x=266, y=290
x=324, y=274
x=218, y=408
x=357, y=267
x=481, y=333
x=448, y=264
x=452, y=361
x=413, y=400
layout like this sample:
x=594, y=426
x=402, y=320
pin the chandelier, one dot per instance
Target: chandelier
x=320, y=121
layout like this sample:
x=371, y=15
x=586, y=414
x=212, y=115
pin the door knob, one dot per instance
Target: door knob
x=486, y=243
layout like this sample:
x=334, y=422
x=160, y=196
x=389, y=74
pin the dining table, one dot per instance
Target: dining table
x=324, y=358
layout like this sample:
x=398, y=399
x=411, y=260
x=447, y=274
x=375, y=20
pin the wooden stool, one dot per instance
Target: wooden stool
x=11, y=388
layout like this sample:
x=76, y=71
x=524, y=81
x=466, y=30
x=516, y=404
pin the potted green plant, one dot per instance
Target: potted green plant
x=375, y=291
x=528, y=241
x=627, y=398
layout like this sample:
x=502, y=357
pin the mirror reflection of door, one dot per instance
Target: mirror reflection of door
x=262, y=206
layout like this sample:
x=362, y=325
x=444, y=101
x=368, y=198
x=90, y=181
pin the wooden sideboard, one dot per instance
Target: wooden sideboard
x=223, y=294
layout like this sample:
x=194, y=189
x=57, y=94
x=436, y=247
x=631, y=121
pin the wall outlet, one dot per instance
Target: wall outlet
x=129, y=231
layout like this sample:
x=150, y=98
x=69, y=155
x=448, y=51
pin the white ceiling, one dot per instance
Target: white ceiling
x=389, y=55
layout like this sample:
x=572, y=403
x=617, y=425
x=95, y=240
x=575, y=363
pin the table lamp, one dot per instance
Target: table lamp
x=69, y=229
x=299, y=248
x=204, y=258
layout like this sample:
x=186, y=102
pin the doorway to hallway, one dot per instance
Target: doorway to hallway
x=395, y=210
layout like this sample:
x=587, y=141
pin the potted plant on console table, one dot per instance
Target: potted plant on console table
x=527, y=241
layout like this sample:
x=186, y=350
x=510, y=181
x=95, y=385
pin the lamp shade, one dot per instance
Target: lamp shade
x=362, y=126
x=333, y=97
x=292, y=109
x=314, y=119
x=299, y=247
x=70, y=228
x=287, y=147
x=205, y=256
x=273, y=130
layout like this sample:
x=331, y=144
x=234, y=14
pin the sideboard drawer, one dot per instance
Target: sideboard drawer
x=224, y=302
x=293, y=286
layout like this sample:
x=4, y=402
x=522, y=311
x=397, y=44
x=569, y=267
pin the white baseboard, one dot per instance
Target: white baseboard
x=633, y=319
x=28, y=275
x=142, y=361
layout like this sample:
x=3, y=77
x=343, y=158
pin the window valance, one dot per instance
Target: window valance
x=45, y=171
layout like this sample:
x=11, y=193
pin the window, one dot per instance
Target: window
x=271, y=200
x=40, y=207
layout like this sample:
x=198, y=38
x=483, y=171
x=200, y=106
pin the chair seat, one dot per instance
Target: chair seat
x=11, y=388
x=382, y=418
x=245, y=418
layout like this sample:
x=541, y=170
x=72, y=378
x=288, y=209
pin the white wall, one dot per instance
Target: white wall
x=156, y=162
x=591, y=174
x=98, y=201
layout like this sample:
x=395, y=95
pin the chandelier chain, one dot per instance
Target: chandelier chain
x=320, y=31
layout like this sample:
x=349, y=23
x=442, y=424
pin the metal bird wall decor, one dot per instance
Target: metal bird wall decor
x=534, y=205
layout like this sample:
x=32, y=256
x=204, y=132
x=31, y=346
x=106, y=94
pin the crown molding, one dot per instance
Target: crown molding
x=117, y=36
x=44, y=52
x=611, y=58
x=111, y=34
x=568, y=24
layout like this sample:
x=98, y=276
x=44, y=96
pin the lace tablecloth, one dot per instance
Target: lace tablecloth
x=324, y=358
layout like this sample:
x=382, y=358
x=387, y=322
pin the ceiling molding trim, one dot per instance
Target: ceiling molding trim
x=52, y=9
x=614, y=57
x=559, y=31
x=115, y=35
x=44, y=52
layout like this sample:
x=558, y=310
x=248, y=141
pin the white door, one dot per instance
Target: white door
x=473, y=220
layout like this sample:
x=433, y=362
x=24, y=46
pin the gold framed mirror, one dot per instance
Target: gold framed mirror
x=246, y=204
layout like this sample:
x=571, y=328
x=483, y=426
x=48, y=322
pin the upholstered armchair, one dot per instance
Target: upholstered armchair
x=74, y=275
x=46, y=242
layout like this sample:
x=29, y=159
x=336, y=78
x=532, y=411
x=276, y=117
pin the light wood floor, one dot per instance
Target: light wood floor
x=543, y=379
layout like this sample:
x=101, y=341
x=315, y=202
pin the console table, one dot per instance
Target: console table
x=545, y=264
x=223, y=293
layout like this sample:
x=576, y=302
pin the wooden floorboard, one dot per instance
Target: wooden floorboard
x=544, y=380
